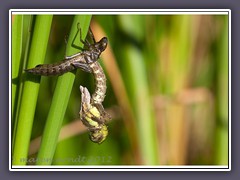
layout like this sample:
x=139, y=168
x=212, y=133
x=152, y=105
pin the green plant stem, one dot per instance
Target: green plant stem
x=30, y=90
x=141, y=102
x=60, y=99
x=26, y=38
x=17, y=30
x=222, y=133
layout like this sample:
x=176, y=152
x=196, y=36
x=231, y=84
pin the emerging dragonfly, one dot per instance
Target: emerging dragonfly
x=94, y=117
x=92, y=112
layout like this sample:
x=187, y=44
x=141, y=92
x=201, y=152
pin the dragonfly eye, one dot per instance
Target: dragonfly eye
x=102, y=44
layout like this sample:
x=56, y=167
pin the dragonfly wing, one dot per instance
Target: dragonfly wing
x=83, y=66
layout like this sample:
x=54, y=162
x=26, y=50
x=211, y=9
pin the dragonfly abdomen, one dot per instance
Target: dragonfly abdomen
x=100, y=81
x=52, y=69
x=93, y=117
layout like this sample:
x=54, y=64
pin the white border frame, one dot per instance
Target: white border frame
x=116, y=12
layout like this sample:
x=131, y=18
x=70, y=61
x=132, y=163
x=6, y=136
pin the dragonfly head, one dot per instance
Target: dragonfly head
x=102, y=44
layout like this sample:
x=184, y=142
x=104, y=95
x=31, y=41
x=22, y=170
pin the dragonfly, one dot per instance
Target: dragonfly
x=92, y=112
x=93, y=117
x=80, y=60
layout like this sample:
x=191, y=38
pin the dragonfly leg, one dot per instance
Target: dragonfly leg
x=86, y=43
x=66, y=41
x=72, y=56
x=82, y=66
x=91, y=35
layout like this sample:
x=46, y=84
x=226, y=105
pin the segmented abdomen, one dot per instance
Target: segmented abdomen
x=100, y=81
x=59, y=68
x=52, y=69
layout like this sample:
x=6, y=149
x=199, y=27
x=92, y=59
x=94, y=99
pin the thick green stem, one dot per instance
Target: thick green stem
x=30, y=90
x=60, y=100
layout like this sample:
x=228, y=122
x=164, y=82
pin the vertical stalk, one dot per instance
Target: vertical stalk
x=60, y=99
x=17, y=31
x=222, y=97
x=30, y=90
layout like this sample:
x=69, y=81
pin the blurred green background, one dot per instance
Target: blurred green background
x=167, y=91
